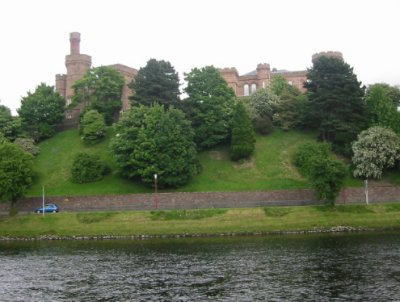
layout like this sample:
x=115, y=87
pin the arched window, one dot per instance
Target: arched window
x=246, y=90
x=253, y=88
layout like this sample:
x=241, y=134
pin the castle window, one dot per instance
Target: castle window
x=253, y=88
x=290, y=83
x=69, y=101
x=246, y=90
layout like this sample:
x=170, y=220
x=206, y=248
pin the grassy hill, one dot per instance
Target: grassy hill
x=269, y=168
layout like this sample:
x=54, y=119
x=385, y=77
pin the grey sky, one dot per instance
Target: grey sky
x=223, y=33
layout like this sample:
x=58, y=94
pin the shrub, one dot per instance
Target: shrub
x=308, y=154
x=262, y=124
x=93, y=127
x=325, y=173
x=87, y=168
x=27, y=144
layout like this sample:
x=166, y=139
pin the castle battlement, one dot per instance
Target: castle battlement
x=331, y=54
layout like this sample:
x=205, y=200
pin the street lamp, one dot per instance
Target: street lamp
x=155, y=190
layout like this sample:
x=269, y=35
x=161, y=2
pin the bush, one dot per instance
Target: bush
x=88, y=168
x=27, y=144
x=308, y=154
x=262, y=124
x=93, y=127
x=325, y=173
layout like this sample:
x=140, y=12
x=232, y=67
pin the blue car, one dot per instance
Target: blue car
x=48, y=208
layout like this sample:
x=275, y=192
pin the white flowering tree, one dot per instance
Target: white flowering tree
x=376, y=149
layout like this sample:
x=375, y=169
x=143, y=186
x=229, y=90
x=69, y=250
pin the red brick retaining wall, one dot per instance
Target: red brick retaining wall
x=198, y=200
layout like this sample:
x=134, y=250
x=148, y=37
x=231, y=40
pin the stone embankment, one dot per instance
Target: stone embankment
x=197, y=200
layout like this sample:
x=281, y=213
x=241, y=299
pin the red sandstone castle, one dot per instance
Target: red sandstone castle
x=78, y=64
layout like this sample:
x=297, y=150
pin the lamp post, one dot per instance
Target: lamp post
x=155, y=190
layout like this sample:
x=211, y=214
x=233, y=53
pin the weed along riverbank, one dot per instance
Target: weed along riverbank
x=201, y=222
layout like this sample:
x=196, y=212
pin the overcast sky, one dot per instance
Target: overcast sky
x=195, y=33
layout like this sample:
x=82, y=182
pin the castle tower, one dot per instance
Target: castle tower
x=263, y=75
x=231, y=77
x=331, y=54
x=77, y=65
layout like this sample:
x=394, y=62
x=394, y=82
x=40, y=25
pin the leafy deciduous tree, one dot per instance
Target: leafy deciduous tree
x=152, y=140
x=376, y=149
x=157, y=82
x=10, y=126
x=41, y=111
x=242, y=140
x=92, y=127
x=16, y=172
x=262, y=105
x=101, y=89
x=209, y=106
x=290, y=109
x=382, y=108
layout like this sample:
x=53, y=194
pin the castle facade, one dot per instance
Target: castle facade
x=246, y=84
x=78, y=64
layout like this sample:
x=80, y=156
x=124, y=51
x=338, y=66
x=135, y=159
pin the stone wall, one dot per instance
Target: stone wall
x=198, y=200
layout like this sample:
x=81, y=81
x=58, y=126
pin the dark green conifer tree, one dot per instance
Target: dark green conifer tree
x=243, y=138
x=157, y=82
x=336, y=106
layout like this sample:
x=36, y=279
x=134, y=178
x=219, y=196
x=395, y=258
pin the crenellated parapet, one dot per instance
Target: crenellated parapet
x=331, y=54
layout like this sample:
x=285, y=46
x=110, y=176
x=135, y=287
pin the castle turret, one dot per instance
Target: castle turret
x=331, y=54
x=263, y=75
x=75, y=39
x=77, y=64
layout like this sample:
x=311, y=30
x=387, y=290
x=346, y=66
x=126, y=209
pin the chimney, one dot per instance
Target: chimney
x=75, y=39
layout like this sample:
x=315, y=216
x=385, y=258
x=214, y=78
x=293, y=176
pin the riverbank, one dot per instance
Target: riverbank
x=201, y=222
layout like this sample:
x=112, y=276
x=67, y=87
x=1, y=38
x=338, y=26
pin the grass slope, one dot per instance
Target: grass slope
x=207, y=221
x=269, y=168
x=54, y=162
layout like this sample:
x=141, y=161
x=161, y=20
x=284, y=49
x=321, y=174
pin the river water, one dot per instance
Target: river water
x=333, y=267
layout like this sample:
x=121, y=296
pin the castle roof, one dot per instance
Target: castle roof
x=251, y=73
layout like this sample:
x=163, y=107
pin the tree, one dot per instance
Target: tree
x=336, y=106
x=381, y=107
x=325, y=173
x=41, y=111
x=16, y=172
x=153, y=140
x=209, y=106
x=10, y=126
x=157, y=82
x=327, y=178
x=87, y=168
x=376, y=149
x=242, y=140
x=262, y=105
x=92, y=127
x=290, y=109
x=101, y=89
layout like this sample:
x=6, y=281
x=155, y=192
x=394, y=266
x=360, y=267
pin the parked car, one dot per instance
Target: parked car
x=48, y=208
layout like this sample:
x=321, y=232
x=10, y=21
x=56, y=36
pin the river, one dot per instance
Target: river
x=328, y=267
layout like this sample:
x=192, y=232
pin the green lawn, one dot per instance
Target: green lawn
x=54, y=162
x=207, y=221
x=269, y=168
